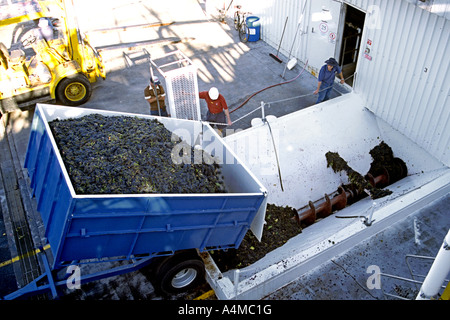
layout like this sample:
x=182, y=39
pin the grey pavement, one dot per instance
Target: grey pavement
x=238, y=70
x=346, y=277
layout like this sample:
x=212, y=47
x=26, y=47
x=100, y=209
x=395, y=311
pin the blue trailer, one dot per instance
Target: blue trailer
x=165, y=231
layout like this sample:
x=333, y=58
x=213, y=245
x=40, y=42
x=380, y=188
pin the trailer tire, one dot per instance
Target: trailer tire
x=74, y=90
x=179, y=274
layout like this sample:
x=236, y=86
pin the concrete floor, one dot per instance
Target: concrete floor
x=238, y=70
x=346, y=277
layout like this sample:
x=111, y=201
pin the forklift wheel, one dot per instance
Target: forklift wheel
x=74, y=90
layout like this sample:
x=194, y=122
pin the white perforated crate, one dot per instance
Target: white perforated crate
x=182, y=92
x=181, y=85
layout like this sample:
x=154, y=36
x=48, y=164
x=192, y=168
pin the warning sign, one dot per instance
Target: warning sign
x=332, y=37
x=368, y=57
x=368, y=49
x=323, y=27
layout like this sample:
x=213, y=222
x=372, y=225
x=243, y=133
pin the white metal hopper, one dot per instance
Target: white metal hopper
x=302, y=138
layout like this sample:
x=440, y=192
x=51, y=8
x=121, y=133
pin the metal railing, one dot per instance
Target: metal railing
x=413, y=278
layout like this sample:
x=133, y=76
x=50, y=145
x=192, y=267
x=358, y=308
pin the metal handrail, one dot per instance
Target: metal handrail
x=408, y=257
x=398, y=278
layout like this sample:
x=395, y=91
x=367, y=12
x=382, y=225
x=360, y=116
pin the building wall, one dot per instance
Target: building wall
x=404, y=78
x=406, y=83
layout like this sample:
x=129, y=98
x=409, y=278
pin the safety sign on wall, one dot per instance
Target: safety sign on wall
x=368, y=49
x=332, y=37
x=323, y=27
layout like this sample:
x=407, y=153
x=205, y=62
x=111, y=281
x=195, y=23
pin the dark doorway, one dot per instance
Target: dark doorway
x=351, y=41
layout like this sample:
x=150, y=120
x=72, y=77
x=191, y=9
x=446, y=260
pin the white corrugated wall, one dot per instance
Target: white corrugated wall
x=273, y=14
x=406, y=83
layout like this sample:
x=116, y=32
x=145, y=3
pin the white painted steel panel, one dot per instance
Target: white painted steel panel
x=438, y=7
x=404, y=83
x=340, y=125
x=273, y=14
x=343, y=125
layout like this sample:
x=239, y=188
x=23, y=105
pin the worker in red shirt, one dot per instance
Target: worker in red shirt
x=217, y=108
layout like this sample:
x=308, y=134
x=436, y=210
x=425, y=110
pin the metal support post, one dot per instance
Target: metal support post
x=438, y=272
x=263, y=117
x=368, y=220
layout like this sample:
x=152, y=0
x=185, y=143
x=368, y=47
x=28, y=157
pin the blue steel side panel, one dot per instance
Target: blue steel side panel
x=110, y=227
x=58, y=221
x=46, y=201
x=36, y=135
x=47, y=183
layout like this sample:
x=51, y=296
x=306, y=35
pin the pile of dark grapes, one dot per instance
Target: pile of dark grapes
x=129, y=155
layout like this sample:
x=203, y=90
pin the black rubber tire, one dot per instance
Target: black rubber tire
x=74, y=90
x=244, y=32
x=179, y=274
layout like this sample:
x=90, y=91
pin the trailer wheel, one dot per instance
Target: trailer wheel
x=74, y=90
x=180, y=274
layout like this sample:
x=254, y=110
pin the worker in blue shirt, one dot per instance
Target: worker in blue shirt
x=326, y=79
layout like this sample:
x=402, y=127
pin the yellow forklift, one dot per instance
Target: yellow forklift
x=43, y=55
